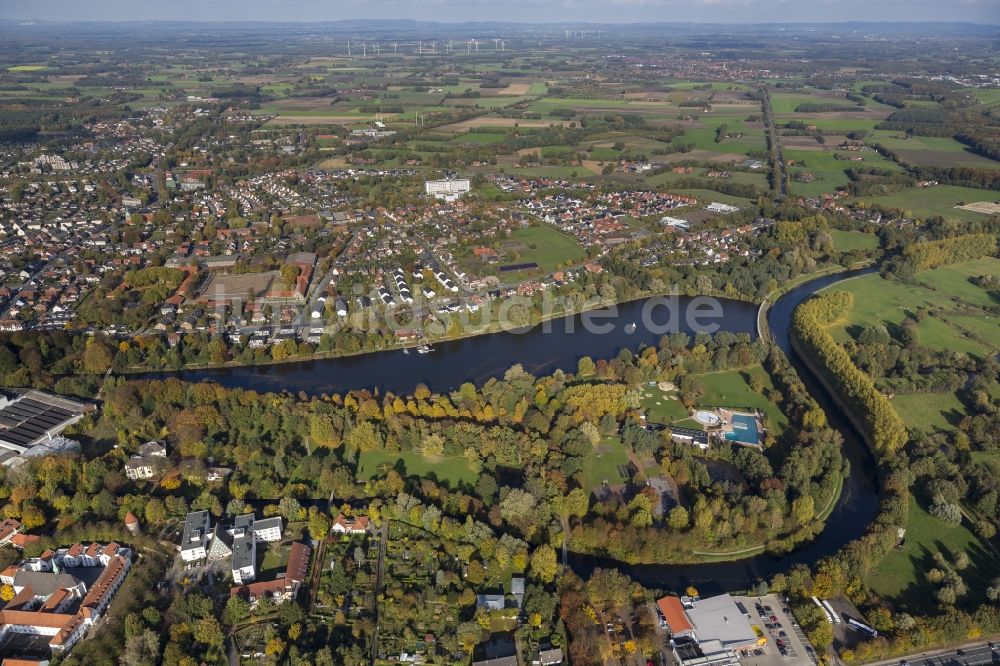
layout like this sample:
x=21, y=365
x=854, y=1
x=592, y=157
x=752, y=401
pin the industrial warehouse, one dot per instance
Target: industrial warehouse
x=30, y=424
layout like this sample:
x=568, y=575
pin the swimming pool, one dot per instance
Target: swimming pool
x=744, y=429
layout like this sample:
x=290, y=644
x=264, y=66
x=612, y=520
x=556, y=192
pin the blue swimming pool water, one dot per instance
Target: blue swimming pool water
x=744, y=430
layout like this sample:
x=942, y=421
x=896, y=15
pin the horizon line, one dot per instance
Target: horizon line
x=39, y=21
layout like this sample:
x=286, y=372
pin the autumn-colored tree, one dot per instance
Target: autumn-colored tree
x=97, y=356
x=322, y=431
x=274, y=647
x=544, y=564
x=365, y=437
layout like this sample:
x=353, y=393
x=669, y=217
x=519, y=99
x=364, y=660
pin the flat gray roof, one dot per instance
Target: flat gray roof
x=196, y=530
x=718, y=619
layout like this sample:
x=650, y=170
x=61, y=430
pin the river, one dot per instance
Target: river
x=553, y=345
x=559, y=344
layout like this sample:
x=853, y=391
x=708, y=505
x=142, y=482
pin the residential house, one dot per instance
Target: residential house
x=148, y=462
x=549, y=657
x=353, y=525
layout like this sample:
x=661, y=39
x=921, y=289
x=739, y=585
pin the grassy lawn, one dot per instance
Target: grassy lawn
x=731, y=388
x=985, y=328
x=848, y=241
x=946, y=289
x=451, y=469
x=954, y=280
x=547, y=247
x=940, y=334
x=662, y=406
x=275, y=559
x=901, y=575
x=880, y=300
x=603, y=464
x=931, y=412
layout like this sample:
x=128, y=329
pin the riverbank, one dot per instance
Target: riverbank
x=489, y=329
x=493, y=328
x=763, y=331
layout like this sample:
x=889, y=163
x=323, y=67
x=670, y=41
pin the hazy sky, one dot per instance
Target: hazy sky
x=752, y=11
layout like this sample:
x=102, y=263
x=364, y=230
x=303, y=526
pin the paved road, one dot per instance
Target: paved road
x=782, y=186
x=972, y=655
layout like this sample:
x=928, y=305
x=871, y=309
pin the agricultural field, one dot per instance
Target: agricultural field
x=930, y=150
x=939, y=200
x=827, y=167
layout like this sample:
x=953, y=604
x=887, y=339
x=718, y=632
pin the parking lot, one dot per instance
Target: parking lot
x=786, y=644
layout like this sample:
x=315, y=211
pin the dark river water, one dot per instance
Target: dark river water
x=559, y=344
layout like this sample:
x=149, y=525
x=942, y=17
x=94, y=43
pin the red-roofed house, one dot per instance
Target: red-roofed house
x=9, y=528
x=673, y=613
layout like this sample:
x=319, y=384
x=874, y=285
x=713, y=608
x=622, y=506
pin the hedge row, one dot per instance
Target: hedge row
x=885, y=430
x=925, y=255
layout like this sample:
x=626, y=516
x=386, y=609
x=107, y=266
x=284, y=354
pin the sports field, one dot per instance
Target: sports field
x=605, y=463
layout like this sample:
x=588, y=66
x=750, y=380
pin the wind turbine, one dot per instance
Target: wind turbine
x=364, y=49
x=468, y=47
x=476, y=44
x=496, y=44
x=394, y=45
x=348, y=49
x=503, y=46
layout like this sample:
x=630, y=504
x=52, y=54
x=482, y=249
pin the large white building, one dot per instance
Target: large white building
x=708, y=631
x=51, y=598
x=238, y=542
x=449, y=189
x=196, y=535
x=30, y=423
